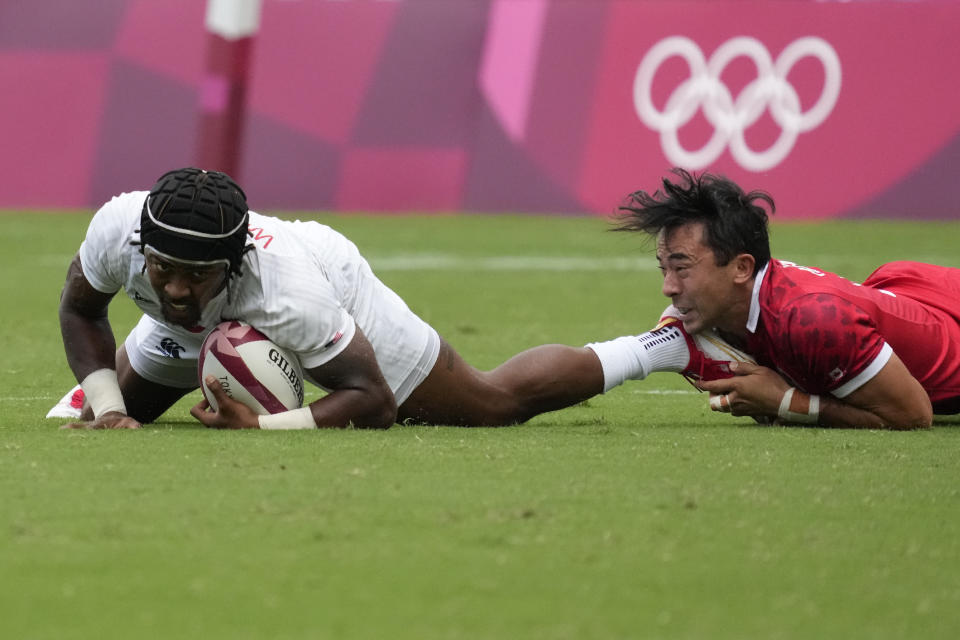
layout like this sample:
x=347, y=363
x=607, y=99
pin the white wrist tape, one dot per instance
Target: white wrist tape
x=102, y=391
x=812, y=416
x=301, y=418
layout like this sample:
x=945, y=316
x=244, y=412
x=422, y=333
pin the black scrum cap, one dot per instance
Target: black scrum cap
x=192, y=214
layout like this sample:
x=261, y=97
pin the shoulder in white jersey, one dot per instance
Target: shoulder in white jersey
x=106, y=252
x=307, y=287
x=287, y=290
x=112, y=259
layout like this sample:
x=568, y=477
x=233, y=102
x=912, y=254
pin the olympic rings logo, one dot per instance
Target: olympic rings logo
x=729, y=116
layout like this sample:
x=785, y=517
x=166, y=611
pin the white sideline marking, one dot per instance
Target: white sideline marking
x=449, y=262
x=646, y=392
x=643, y=392
x=665, y=392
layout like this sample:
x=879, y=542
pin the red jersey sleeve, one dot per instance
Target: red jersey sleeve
x=827, y=344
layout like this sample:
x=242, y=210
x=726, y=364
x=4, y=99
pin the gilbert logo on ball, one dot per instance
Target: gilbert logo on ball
x=251, y=369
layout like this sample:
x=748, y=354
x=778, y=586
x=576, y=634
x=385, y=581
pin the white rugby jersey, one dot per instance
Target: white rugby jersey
x=304, y=285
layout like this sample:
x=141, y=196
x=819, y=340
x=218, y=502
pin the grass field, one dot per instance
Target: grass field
x=639, y=514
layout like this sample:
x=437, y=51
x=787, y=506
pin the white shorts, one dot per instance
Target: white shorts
x=169, y=355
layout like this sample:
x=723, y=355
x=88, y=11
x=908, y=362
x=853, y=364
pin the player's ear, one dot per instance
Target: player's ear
x=743, y=265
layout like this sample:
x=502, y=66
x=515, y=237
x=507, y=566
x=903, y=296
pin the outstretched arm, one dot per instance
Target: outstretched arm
x=359, y=395
x=87, y=336
x=893, y=399
x=90, y=347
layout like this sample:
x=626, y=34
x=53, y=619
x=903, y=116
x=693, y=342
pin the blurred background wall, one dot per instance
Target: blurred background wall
x=561, y=106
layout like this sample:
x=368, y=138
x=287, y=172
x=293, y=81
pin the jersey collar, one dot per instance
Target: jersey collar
x=753, y=318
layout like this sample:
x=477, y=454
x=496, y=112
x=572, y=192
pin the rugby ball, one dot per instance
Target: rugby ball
x=716, y=348
x=251, y=369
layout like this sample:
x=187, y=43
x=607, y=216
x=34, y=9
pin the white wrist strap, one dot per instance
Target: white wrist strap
x=812, y=416
x=103, y=392
x=301, y=418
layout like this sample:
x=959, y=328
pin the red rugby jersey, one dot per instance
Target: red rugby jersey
x=830, y=335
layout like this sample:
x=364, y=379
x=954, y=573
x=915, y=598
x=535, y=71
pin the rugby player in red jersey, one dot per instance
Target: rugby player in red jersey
x=829, y=351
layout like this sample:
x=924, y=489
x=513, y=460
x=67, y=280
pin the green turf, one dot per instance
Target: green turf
x=639, y=514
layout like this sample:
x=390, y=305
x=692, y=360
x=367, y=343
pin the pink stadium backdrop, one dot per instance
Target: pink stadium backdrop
x=559, y=106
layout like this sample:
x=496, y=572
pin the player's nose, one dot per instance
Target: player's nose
x=177, y=288
x=670, y=286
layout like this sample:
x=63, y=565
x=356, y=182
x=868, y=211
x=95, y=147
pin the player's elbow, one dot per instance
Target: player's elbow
x=922, y=419
x=918, y=415
x=384, y=420
x=381, y=411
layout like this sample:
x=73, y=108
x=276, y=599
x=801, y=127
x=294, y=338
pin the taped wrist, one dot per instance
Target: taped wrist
x=301, y=418
x=792, y=409
x=102, y=391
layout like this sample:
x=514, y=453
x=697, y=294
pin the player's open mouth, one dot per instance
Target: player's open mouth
x=181, y=309
x=180, y=313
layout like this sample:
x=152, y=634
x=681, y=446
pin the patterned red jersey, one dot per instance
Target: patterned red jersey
x=830, y=335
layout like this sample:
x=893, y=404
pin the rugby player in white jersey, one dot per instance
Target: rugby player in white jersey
x=191, y=254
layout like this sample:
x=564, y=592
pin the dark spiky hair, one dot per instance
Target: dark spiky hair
x=734, y=222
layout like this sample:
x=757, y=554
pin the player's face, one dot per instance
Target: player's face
x=703, y=292
x=184, y=287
